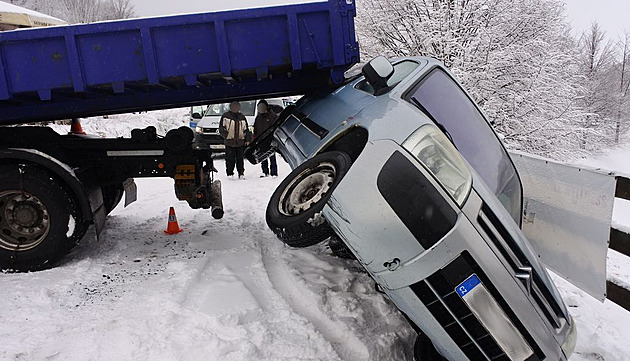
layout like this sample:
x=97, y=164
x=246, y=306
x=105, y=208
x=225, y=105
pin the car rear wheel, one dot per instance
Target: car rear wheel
x=294, y=212
x=39, y=219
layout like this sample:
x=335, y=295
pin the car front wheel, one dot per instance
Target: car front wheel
x=294, y=212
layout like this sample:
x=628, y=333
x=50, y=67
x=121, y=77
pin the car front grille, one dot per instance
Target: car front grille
x=437, y=293
x=515, y=257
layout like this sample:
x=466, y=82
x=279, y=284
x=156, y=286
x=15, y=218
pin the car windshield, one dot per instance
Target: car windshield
x=247, y=108
x=453, y=111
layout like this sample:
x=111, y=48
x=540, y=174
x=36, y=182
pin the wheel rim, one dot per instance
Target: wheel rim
x=308, y=188
x=24, y=221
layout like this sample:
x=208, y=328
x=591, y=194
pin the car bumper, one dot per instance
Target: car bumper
x=209, y=141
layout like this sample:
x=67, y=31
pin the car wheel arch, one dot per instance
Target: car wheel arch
x=352, y=141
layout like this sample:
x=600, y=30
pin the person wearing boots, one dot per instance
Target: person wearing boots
x=264, y=120
x=235, y=131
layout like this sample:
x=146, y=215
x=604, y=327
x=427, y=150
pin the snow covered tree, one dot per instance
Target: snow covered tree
x=516, y=58
x=119, y=9
x=605, y=68
x=599, y=99
x=81, y=11
x=622, y=120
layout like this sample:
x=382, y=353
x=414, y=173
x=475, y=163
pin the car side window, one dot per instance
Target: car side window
x=442, y=99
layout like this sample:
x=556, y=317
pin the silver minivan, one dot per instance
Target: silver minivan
x=402, y=167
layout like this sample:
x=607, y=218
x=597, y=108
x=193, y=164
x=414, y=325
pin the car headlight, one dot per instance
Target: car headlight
x=199, y=129
x=569, y=343
x=440, y=157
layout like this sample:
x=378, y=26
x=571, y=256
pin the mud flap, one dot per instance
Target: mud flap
x=567, y=214
x=131, y=191
x=95, y=198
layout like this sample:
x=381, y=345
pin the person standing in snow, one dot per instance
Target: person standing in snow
x=265, y=119
x=235, y=132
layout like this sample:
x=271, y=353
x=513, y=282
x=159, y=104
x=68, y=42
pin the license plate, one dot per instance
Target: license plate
x=488, y=311
x=468, y=285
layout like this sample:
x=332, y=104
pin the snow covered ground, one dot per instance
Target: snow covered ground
x=220, y=290
x=227, y=289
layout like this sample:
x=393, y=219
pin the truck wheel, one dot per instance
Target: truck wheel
x=424, y=350
x=294, y=210
x=39, y=219
x=112, y=195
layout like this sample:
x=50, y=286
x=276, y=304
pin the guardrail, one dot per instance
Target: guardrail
x=620, y=242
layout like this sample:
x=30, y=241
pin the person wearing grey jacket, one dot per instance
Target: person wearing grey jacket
x=235, y=132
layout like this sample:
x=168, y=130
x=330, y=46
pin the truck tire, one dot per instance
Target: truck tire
x=294, y=210
x=39, y=218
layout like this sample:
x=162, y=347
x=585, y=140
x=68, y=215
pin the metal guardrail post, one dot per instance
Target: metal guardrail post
x=623, y=188
x=618, y=295
x=620, y=242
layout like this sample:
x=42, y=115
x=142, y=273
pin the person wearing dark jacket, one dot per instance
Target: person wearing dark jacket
x=235, y=132
x=264, y=120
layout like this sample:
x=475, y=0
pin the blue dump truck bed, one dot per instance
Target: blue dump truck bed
x=155, y=63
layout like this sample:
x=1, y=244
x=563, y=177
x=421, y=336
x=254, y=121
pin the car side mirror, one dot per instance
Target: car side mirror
x=196, y=115
x=377, y=72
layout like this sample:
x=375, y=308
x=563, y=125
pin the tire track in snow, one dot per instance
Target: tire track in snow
x=342, y=339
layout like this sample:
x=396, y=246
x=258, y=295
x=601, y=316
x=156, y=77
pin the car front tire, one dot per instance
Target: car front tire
x=294, y=212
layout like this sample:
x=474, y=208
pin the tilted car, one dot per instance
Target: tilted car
x=402, y=166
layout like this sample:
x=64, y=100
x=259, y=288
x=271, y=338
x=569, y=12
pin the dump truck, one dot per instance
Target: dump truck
x=54, y=188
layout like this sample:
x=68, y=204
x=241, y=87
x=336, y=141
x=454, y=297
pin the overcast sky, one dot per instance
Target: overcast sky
x=612, y=15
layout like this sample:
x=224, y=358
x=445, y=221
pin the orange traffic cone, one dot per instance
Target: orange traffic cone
x=173, y=227
x=75, y=127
